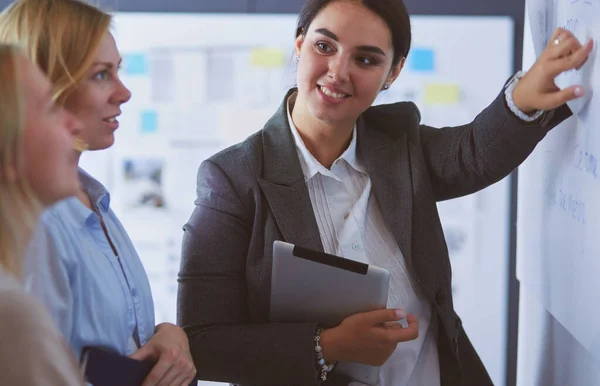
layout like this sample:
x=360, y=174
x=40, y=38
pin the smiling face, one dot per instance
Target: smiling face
x=345, y=59
x=97, y=99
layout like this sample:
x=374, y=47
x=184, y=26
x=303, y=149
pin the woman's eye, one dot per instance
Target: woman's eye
x=102, y=75
x=323, y=47
x=367, y=61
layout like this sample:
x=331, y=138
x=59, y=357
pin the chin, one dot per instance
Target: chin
x=326, y=115
x=331, y=114
x=103, y=143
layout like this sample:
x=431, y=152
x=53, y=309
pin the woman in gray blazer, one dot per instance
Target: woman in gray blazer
x=331, y=173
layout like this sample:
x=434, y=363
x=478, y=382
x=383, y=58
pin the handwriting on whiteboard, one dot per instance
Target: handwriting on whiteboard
x=567, y=203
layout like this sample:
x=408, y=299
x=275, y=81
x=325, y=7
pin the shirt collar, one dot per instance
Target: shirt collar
x=74, y=211
x=95, y=190
x=310, y=165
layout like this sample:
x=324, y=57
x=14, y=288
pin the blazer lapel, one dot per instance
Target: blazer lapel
x=388, y=165
x=283, y=183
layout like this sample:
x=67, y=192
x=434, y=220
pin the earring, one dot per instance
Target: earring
x=386, y=86
x=80, y=145
x=297, y=58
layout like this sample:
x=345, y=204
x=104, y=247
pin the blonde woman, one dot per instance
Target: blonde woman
x=38, y=167
x=82, y=264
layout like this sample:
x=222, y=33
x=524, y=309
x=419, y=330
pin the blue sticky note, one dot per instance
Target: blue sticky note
x=422, y=60
x=136, y=64
x=149, y=122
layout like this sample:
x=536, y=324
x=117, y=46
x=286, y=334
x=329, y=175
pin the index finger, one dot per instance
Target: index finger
x=398, y=333
x=565, y=47
x=159, y=370
x=559, y=35
x=572, y=61
x=382, y=316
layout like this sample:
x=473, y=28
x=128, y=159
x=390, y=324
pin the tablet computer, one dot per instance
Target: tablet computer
x=312, y=286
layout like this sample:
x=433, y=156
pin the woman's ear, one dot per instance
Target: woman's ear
x=395, y=72
x=298, y=45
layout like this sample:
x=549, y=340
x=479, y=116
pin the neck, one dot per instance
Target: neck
x=84, y=198
x=325, y=141
x=78, y=158
x=81, y=194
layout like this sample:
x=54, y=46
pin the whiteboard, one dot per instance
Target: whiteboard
x=558, y=246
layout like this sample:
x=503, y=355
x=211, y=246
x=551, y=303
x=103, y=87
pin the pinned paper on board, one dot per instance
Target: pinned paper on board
x=136, y=64
x=441, y=94
x=149, y=122
x=267, y=57
x=422, y=60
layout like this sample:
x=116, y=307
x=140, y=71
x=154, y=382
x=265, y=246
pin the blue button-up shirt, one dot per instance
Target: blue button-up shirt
x=95, y=298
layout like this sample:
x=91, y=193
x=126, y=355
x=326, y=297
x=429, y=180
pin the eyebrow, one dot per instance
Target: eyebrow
x=331, y=35
x=107, y=64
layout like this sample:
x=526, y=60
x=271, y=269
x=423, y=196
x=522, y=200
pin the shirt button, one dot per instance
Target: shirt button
x=355, y=246
x=134, y=292
x=346, y=216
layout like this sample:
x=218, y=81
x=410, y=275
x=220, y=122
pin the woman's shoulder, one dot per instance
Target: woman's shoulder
x=243, y=158
x=405, y=108
x=242, y=151
x=53, y=238
x=19, y=311
x=59, y=213
x=386, y=116
x=30, y=340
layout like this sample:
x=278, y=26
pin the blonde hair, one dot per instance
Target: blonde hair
x=60, y=36
x=19, y=208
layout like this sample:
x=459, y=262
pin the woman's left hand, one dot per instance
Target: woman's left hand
x=170, y=350
x=537, y=90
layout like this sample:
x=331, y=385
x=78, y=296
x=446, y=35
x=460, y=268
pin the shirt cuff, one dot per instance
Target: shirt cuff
x=508, y=93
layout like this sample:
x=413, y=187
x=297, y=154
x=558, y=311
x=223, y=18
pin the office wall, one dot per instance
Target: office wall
x=513, y=8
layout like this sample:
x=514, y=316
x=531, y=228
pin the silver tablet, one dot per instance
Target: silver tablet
x=310, y=286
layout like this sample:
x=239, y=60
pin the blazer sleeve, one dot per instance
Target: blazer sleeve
x=212, y=309
x=462, y=160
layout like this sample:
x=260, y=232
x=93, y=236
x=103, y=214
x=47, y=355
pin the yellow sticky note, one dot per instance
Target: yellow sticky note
x=442, y=94
x=267, y=58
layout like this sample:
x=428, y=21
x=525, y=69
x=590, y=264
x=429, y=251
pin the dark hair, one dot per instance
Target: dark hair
x=393, y=12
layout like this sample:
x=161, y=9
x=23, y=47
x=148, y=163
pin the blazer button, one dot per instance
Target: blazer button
x=458, y=324
x=455, y=345
x=419, y=279
x=440, y=297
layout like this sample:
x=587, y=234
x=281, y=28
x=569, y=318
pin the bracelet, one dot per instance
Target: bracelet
x=324, y=368
x=508, y=93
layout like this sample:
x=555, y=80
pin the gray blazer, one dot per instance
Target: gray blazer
x=254, y=193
